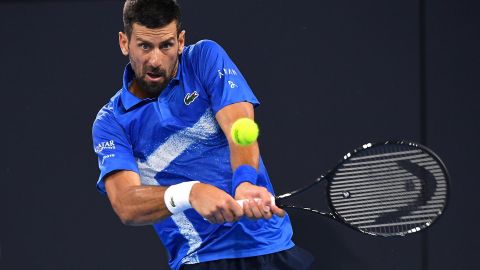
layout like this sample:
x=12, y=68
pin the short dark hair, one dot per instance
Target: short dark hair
x=150, y=13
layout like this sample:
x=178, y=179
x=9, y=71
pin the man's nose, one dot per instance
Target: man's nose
x=156, y=58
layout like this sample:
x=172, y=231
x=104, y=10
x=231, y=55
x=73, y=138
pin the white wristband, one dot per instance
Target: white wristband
x=177, y=197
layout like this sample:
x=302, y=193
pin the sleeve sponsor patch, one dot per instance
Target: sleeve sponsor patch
x=104, y=145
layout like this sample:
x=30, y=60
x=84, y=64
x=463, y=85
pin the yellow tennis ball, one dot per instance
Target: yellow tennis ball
x=244, y=131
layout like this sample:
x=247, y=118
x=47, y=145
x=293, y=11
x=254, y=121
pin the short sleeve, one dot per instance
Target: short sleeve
x=111, y=146
x=220, y=77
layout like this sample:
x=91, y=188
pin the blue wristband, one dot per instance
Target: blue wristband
x=244, y=173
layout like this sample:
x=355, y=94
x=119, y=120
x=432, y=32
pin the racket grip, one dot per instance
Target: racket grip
x=240, y=202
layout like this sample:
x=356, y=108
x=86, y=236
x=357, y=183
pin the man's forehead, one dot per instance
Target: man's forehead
x=165, y=32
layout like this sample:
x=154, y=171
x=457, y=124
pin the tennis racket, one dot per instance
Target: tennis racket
x=385, y=189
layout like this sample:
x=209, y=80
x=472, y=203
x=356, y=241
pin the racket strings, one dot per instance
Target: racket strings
x=389, y=189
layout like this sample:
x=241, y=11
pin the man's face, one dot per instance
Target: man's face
x=153, y=55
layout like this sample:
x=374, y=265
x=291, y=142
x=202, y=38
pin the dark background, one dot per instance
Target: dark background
x=331, y=76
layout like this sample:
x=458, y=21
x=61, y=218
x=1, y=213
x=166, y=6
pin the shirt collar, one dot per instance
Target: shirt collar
x=128, y=99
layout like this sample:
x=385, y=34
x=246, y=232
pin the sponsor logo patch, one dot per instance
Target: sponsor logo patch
x=104, y=145
x=232, y=84
x=107, y=156
x=226, y=71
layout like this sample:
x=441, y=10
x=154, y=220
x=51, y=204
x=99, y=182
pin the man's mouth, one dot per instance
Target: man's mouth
x=152, y=76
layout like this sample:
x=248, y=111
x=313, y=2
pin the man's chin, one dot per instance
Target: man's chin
x=151, y=88
x=154, y=89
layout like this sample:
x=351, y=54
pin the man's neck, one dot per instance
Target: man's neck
x=134, y=88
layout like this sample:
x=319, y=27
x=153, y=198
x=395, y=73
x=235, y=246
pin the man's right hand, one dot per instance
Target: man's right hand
x=214, y=204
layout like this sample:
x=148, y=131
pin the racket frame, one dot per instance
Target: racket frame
x=333, y=214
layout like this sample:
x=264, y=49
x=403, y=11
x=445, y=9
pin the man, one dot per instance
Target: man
x=165, y=159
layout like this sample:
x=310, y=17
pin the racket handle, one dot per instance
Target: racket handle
x=240, y=202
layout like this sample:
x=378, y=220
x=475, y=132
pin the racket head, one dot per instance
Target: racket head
x=392, y=188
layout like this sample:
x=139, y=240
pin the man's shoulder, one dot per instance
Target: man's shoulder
x=203, y=47
x=107, y=112
x=207, y=44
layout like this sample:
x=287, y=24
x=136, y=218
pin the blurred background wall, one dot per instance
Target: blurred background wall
x=331, y=75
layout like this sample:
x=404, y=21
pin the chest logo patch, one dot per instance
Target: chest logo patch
x=190, y=97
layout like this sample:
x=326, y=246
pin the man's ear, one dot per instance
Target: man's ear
x=123, y=42
x=181, y=41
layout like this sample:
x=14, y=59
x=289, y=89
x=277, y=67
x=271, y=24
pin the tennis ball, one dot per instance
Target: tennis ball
x=244, y=131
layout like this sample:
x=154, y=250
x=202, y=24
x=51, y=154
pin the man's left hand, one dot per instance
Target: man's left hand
x=257, y=201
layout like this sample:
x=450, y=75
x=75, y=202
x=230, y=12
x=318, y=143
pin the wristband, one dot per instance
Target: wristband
x=177, y=197
x=244, y=173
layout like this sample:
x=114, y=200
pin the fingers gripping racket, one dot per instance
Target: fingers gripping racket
x=386, y=189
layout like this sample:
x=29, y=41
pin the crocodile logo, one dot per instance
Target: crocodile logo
x=190, y=97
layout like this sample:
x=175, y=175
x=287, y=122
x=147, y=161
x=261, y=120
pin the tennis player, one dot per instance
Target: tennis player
x=165, y=159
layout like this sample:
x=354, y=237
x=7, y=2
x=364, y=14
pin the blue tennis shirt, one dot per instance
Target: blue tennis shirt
x=175, y=138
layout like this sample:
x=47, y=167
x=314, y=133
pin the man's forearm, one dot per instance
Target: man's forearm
x=141, y=205
x=240, y=155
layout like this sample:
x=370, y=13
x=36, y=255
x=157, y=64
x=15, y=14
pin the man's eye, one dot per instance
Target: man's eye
x=167, y=45
x=144, y=46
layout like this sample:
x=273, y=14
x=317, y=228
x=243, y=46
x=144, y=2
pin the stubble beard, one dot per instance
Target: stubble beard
x=151, y=88
x=154, y=89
